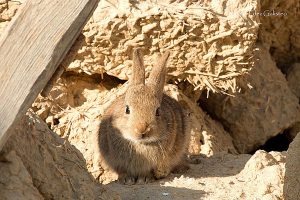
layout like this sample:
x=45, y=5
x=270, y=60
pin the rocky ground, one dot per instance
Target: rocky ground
x=234, y=67
x=222, y=176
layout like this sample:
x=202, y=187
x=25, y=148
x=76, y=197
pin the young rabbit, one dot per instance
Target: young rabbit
x=143, y=133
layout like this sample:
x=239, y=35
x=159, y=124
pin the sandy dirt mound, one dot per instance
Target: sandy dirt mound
x=16, y=182
x=210, y=44
x=264, y=107
x=48, y=165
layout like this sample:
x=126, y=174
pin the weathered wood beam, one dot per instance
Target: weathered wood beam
x=31, y=48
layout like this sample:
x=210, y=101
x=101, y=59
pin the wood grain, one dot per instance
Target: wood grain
x=31, y=48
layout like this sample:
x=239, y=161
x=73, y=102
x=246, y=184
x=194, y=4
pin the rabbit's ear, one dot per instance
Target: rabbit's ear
x=158, y=74
x=138, y=74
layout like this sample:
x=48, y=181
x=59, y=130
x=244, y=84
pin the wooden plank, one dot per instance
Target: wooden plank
x=31, y=48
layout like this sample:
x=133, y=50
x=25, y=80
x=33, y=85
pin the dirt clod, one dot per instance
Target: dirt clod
x=292, y=173
x=264, y=107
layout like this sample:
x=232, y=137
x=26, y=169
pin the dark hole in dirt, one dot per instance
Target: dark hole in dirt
x=110, y=82
x=204, y=104
x=106, y=80
x=280, y=142
x=201, y=141
x=55, y=121
x=235, y=42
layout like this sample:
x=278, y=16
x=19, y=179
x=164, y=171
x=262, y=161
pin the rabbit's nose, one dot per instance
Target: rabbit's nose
x=145, y=133
x=141, y=129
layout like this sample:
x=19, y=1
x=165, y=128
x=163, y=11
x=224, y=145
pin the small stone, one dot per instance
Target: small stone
x=165, y=194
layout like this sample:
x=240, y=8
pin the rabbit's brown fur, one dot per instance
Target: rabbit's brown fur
x=144, y=132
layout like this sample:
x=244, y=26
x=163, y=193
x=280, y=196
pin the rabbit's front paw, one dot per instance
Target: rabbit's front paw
x=194, y=159
x=144, y=179
x=127, y=180
x=131, y=180
x=161, y=173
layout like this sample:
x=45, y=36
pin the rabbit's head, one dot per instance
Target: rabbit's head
x=143, y=115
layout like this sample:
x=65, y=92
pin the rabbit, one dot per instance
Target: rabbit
x=143, y=134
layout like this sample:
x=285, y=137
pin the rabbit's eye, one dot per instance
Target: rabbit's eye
x=157, y=112
x=127, y=110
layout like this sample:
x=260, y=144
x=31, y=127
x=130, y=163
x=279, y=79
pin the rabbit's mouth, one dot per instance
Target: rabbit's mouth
x=145, y=136
x=140, y=139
